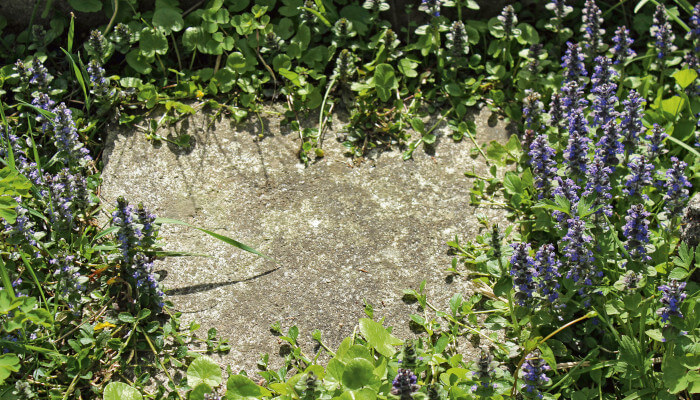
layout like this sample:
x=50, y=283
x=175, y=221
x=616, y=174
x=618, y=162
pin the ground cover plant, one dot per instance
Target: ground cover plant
x=587, y=293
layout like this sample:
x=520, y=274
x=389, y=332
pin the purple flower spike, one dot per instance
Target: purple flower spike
x=656, y=141
x=577, y=251
x=404, y=385
x=556, y=109
x=576, y=153
x=673, y=296
x=622, y=51
x=661, y=31
x=637, y=232
x=522, y=269
x=640, y=176
x=631, y=116
x=547, y=266
x=136, y=232
x=609, y=145
x=592, y=21
x=676, y=187
x=508, y=19
x=534, y=373
x=66, y=137
x=544, y=166
x=568, y=189
x=599, y=184
x=100, y=84
x=572, y=62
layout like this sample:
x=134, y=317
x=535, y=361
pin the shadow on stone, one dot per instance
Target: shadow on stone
x=210, y=286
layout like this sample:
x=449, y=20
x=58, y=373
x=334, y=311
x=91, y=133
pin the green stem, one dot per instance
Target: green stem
x=155, y=353
x=114, y=16
x=36, y=281
x=320, y=114
x=478, y=332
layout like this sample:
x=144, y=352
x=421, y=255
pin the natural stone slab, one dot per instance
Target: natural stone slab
x=342, y=231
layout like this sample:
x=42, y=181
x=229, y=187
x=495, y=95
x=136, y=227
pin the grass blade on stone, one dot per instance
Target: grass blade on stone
x=223, y=238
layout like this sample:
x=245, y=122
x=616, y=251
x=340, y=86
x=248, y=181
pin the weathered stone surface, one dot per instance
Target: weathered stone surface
x=342, y=232
x=691, y=222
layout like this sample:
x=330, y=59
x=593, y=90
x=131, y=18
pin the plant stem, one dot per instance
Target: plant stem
x=114, y=16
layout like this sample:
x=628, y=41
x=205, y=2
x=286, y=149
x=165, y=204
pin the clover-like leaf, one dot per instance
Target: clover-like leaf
x=121, y=391
x=169, y=19
x=203, y=370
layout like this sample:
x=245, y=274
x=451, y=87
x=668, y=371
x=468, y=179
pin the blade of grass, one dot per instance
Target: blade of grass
x=79, y=77
x=223, y=238
x=71, y=31
x=685, y=146
x=8, y=145
x=36, y=280
x=6, y=278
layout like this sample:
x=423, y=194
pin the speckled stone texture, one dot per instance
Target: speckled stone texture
x=691, y=222
x=343, y=232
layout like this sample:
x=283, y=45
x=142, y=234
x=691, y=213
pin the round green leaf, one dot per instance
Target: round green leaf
x=153, y=42
x=203, y=370
x=528, y=33
x=357, y=373
x=199, y=391
x=86, y=5
x=8, y=363
x=685, y=77
x=193, y=37
x=138, y=62
x=239, y=386
x=121, y=391
x=169, y=19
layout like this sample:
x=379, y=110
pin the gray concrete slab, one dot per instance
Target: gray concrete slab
x=342, y=231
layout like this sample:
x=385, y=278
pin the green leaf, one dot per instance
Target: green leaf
x=153, y=42
x=223, y=238
x=672, y=106
x=528, y=34
x=303, y=37
x=512, y=183
x=203, y=370
x=126, y=317
x=675, y=374
x=678, y=274
x=8, y=363
x=384, y=81
x=138, y=62
x=357, y=373
x=407, y=67
x=418, y=125
x=548, y=355
x=241, y=387
x=168, y=18
x=378, y=337
x=199, y=391
x=685, y=77
x=503, y=286
x=655, y=334
x=86, y=5
x=193, y=37
x=121, y=391
x=629, y=350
